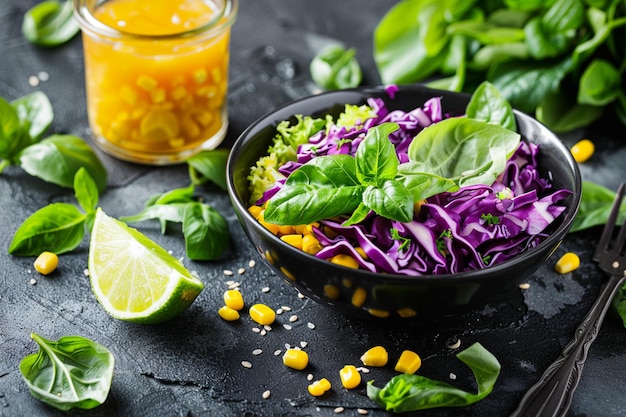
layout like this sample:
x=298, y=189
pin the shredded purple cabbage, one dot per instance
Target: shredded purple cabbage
x=473, y=228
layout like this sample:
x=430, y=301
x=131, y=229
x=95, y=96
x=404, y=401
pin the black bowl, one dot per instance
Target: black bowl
x=368, y=294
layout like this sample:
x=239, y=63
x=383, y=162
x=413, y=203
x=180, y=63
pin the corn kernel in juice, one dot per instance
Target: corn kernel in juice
x=156, y=75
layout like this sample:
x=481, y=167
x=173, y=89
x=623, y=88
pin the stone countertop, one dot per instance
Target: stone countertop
x=191, y=366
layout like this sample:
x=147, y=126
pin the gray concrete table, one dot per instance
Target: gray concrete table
x=191, y=366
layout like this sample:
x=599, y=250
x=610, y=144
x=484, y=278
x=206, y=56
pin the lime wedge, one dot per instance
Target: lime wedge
x=133, y=278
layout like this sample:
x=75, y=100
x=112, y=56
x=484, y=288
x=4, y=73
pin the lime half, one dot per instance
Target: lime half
x=135, y=279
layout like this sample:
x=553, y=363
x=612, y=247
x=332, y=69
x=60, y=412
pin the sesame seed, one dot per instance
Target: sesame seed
x=304, y=344
x=286, y=308
x=33, y=81
x=228, y=272
x=234, y=286
x=277, y=352
x=263, y=332
x=43, y=76
x=524, y=286
x=256, y=330
x=287, y=327
x=310, y=377
x=279, y=311
x=363, y=370
x=256, y=352
x=267, y=327
x=300, y=295
x=33, y=281
x=339, y=410
x=265, y=289
x=230, y=282
x=251, y=264
x=615, y=264
x=362, y=411
x=293, y=318
x=287, y=346
x=266, y=394
x=452, y=376
x=310, y=325
x=241, y=271
x=246, y=364
x=455, y=345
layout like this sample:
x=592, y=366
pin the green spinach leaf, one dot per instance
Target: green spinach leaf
x=488, y=105
x=406, y=392
x=50, y=23
x=334, y=68
x=57, y=158
x=73, y=372
x=599, y=84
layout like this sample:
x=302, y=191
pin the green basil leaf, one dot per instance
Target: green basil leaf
x=206, y=232
x=50, y=23
x=490, y=55
x=13, y=137
x=391, y=200
x=409, y=41
x=464, y=150
x=172, y=212
x=73, y=372
x=509, y=18
x=376, y=158
x=358, y=215
x=35, y=113
x=488, y=105
x=600, y=84
x=406, y=392
x=487, y=33
x=526, y=83
x=542, y=43
x=423, y=185
x=564, y=15
x=558, y=113
x=57, y=158
x=335, y=68
x=177, y=195
x=211, y=164
x=527, y=5
x=585, y=49
x=58, y=227
x=595, y=207
x=85, y=190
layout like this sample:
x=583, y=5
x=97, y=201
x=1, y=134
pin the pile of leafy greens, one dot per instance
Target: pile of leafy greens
x=562, y=60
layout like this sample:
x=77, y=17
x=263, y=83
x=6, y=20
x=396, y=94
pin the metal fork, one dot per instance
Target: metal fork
x=552, y=394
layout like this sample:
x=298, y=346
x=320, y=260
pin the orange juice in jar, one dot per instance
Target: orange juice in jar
x=156, y=75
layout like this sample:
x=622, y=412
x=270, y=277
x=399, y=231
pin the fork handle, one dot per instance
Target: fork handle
x=551, y=396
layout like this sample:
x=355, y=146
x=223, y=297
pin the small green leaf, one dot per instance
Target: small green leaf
x=212, y=166
x=73, y=372
x=600, y=84
x=57, y=158
x=488, y=105
x=13, y=136
x=335, y=68
x=376, y=158
x=171, y=212
x=50, y=23
x=391, y=200
x=85, y=191
x=35, y=113
x=57, y=227
x=206, y=232
x=595, y=207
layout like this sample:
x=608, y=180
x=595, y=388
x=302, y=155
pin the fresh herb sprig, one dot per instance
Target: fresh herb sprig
x=335, y=67
x=50, y=23
x=73, y=372
x=406, y=392
x=55, y=159
x=562, y=60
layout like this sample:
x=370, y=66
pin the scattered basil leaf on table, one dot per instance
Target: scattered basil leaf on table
x=73, y=372
x=595, y=207
x=58, y=227
x=404, y=393
x=335, y=68
x=50, y=23
x=211, y=165
x=35, y=113
x=13, y=137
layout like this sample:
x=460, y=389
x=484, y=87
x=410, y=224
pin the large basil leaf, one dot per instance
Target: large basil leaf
x=57, y=227
x=35, y=113
x=324, y=187
x=488, y=105
x=13, y=137
x=465, y=150
x=73, y=372
x=595, y=207
x=211, y=164
x=170, y=212
x=50, y=23
x=600, y=84
x=206, y=232
x=376, y=158
x=391, y=199
x=57, y=158
x=407, y=392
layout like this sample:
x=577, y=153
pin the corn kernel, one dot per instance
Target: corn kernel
x=146, y=82
x=407, y=312
x=228, y=314
x=376, y=356
x=262, y=314
x=331, y=291
x=46, y=262
x=200, y=75
x=269, y=226
x=345, y=260
x=567, y=263
x=296, y=359
x=233, y=299
x=318, y=388
x=255, y=211
x=378, y=312
x=361, y=252
x=358, y=297
x=286, y=230
x=408, y=363
x=293, y=240
x=350, y=376
x=582, y=150
x=204, y=118
x=287, y=273
x=179, y=93
x=129, y=95
x=310, y=244
x=159, y=125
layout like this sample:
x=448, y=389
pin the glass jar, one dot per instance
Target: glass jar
x=156, y=75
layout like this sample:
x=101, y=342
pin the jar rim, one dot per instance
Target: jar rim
x=89, y=23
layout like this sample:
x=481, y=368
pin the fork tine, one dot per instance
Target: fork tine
x=603, y=244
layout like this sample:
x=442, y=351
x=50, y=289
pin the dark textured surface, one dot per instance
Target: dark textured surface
x=192, y=365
